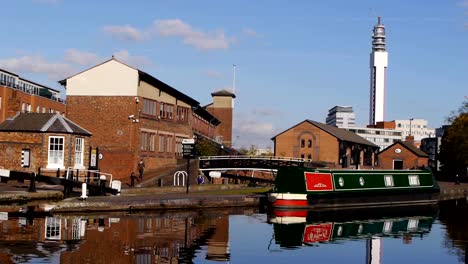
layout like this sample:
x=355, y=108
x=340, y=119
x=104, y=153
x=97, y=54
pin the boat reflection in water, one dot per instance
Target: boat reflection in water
x=297, y=228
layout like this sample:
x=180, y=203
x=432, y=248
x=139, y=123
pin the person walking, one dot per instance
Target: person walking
x=133, y=177
x=141, y=168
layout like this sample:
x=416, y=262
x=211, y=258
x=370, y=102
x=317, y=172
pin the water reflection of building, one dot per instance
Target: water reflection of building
x=134, y=239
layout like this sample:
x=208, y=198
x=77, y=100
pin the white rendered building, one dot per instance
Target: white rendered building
x=382, y=137
x=341, y=116
x=378, y=72
x=415, y=127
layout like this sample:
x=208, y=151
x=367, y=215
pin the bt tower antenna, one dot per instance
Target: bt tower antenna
x=234, y=79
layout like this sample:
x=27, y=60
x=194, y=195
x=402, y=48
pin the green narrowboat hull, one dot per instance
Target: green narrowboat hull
x=298, y=187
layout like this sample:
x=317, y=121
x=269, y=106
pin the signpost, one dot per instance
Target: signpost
x=188, y=152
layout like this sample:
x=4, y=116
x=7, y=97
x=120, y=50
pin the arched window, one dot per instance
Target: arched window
x=302, y=143
x=309, y=143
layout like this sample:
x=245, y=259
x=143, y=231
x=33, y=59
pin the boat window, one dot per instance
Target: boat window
x=387, y=228
x=341, y=181
x=361, y=181
x=413, y=224
x=413, y=179
x=388, y=180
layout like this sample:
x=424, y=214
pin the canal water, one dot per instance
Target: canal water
x=418, y=234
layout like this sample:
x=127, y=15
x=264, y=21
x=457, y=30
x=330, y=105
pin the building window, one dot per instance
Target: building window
x=309, y=157
x=309, y=143
x=166, y=111
x=43, y=109
x=149, y=107
x=0, y=103
x=161, y=143
x=151, y=142
x=144, y=141
x=169, y=144
x=178, y=146
x=388, y=180
x=302, y=156
x=182, y=113
x=53, y=227
x=38, y=109
x=56, y=147
x=302, y=143
x=413, y=180
x=79, y=153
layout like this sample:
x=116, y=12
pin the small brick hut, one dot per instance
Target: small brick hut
x=29, y=141
x=402, y=155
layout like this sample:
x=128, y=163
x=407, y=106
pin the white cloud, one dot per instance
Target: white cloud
x=134, y=61
x=198, y=39
x=250, y=32
x=37, y=64
x=126, y=32
x=82, y=57
x=248, y=131
x=213, y=74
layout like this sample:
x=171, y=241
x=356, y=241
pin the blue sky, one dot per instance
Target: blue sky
x=295, y=59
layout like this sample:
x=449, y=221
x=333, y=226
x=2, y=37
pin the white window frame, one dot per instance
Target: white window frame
x=413, y=180
x=53, y=228
x=389, y=181
x=79, y=153
x=58, y=161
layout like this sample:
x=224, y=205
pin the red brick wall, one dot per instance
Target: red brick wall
x=410, y=160
x=225, y=128
x=12, y=101
x=118, y=138
x=11, y=144
x=324, y=146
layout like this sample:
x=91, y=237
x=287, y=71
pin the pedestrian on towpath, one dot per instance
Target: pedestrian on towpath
x=141, y=168
x=133, y=177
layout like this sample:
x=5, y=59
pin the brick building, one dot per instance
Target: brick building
x=223, y=107
x=29, y=141
x=132, y=116
x=20, y=95
x=402, y=155
x=319, y=142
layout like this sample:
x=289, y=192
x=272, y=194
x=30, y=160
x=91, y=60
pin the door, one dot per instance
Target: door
x=397, y=164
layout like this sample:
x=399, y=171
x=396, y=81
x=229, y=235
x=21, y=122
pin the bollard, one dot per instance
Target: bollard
x=32, y=182
x=83, y=191
x=102, y=184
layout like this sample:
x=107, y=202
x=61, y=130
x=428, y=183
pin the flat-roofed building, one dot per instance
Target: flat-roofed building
x=18, y=94
x=341, y=116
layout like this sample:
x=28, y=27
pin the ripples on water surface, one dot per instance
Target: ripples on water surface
x=429, y=234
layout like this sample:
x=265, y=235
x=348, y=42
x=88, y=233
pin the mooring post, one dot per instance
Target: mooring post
x=188, y=174
x=32, y=182
x=102, y=184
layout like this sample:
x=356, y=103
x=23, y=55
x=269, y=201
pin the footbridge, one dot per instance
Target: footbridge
x=251, y=163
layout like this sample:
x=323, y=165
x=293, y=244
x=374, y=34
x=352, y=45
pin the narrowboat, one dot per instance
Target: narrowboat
x=301, y=187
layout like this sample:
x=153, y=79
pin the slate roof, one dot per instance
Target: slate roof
x=409, y=147
x=42, y=123
x=337, y=132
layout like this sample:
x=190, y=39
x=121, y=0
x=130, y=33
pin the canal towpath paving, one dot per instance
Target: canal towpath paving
x=51, y=198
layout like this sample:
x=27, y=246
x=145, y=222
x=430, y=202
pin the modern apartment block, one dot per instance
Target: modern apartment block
x=18, y=94
x=341, y=116
x=415, y=127
x=132, y=116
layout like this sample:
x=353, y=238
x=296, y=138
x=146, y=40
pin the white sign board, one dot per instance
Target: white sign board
x=188, y=141
x=4, y=173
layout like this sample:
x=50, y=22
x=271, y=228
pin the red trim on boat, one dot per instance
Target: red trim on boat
x=296, y=213
x=281, y=202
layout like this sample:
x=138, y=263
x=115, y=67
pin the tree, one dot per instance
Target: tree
x=454, y=146
x=205, y=147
